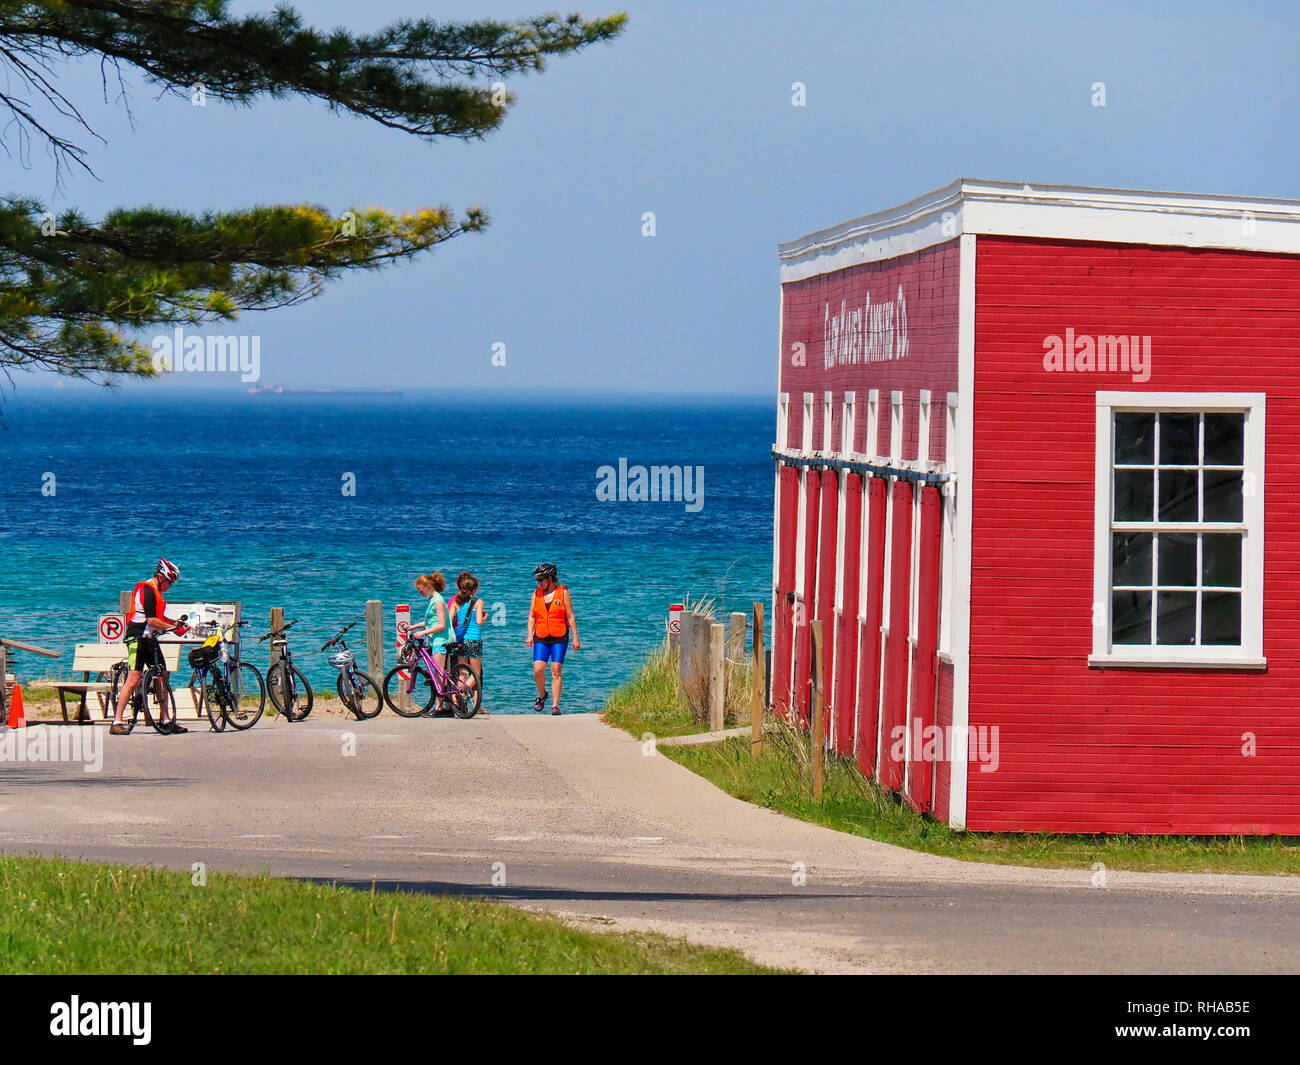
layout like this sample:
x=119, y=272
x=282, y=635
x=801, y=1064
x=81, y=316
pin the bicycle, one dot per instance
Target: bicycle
x=153, y=693
x=455, y=652
x=220, y=681
x=354, y=685
x=289, y=691
x=426, y=684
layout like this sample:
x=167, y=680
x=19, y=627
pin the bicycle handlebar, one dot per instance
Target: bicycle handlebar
x=338, y=637
x=280, y=631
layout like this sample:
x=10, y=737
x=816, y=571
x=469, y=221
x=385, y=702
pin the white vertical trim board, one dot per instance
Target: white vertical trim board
x=841, y=489
x=807, y=435
x=896, y=426
x=923, y=430
x=949, y=531
x=960, y=461
x=828, y=419
x=871, y=445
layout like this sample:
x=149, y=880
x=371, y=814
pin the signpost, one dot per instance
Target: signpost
x=675, y=624
x=403, y=613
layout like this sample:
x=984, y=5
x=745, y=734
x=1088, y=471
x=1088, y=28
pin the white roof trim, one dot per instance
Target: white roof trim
x=1061, y=212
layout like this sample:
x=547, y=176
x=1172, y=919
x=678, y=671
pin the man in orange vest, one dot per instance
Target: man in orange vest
x=146, y=619
x=550, y=620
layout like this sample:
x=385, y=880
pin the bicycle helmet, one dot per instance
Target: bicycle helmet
x=546, y=569
x=167, y=571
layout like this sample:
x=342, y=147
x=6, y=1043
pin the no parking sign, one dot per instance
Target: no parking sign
x=111, y=628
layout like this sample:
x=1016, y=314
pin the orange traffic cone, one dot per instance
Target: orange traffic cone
x=17, y=719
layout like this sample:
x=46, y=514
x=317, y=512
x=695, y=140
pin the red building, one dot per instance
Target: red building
x=1025, y=480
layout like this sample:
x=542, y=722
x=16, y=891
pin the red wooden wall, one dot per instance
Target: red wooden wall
x=1122, y=749
x=782, y=626
x=854, y=654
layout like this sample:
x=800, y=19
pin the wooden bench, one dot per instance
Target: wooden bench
x=99, y=658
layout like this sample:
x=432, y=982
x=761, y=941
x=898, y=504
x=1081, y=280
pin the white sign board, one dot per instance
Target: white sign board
x=403, y=623
x=112, y=628
x=199, y=614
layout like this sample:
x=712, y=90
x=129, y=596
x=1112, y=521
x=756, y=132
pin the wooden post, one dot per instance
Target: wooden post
x=684, y=660
x=717, y=677
x=818, y=724
x=124, y=603
x=277, y=622
x=375, y=639
x=735, y=650
x=756, y=701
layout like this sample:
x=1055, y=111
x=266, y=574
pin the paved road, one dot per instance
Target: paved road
x=584, y=823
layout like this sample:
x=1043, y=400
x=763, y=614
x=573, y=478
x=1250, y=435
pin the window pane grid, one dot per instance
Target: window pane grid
x=1168, y=588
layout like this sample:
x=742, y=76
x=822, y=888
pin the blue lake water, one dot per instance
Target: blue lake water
x=246, y=495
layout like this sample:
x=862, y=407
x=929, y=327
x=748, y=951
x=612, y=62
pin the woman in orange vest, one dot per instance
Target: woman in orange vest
x=549, y=623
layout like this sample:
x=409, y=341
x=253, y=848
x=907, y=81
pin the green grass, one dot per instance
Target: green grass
x=648, y=702
x=71, y=917
x=781, y=780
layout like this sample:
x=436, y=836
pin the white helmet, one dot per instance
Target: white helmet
x=166, y=571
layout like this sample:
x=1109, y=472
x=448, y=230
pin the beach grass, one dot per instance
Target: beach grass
x=780, y=780
x=71, y=917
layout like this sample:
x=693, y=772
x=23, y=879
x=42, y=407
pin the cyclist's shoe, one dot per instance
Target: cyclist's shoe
x=539, y=704
x=118, y=729
x=174, y=728
x=556, y=711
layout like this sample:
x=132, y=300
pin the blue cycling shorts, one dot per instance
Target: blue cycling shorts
x=549, y=650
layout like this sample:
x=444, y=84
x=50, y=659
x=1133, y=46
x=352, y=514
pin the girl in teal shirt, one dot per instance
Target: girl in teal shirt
x=437, y=626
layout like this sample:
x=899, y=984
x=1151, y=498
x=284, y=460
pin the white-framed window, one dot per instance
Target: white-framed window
x=1178, y=565
x=871, y=445
x=848, y=423
x=828, y=419
x=807, y=434
x=783, y=420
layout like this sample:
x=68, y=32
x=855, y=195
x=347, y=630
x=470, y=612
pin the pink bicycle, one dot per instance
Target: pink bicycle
x=418, y=685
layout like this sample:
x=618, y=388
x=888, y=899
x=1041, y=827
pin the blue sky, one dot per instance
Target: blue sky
x=689, y=115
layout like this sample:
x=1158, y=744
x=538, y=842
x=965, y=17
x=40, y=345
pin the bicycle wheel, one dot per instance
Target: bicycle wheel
x=302, y=694
x=289, y=691
x=158, y=701
x=196, y=690
x=360, y=694
x=477, y=687
x=420, y=688
x=212, y=701
x=276, y=682
x=466, y=697
x=251, y=695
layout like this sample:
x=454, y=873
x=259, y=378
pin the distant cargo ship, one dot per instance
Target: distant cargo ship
x=280, y=390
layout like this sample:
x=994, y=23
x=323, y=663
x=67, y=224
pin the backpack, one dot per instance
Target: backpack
x=462, y=627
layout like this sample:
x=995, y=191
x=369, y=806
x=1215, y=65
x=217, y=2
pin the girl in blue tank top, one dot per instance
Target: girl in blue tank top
x=468, y=616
